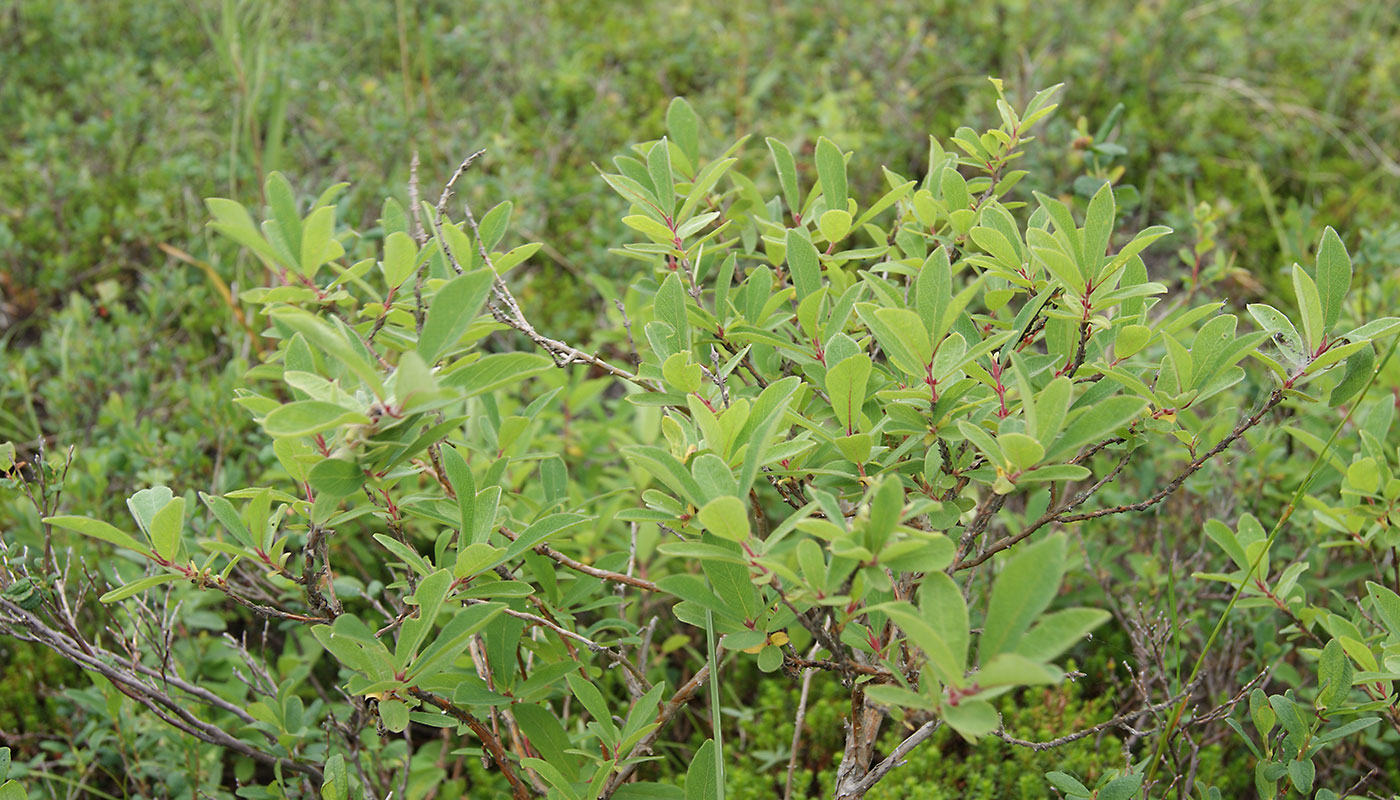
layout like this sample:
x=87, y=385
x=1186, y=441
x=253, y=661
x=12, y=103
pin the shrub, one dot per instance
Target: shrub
x=822, y=438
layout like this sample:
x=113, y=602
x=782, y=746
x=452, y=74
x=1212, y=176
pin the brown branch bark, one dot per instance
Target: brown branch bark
x=24, y=625
x=579, y=566
x=668, y=712
x=518, y=788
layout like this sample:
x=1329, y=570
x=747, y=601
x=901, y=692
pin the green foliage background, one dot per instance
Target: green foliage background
x=120, y=117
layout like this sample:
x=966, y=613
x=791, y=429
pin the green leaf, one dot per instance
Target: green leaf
x=593, y=701
x=769, y=659
x=803, y=264
x=336, y=783
x=1285, y=335
x=97, y=529
x=682, y=374
x=335, y=478
x=452, y=309
x=902, y=337
x=541, y=530
x=955, y=193
x=929, y=553
x=1067, y=784
x=1334, y=674
x=726, y=517
x=400, y=256
x=564, y=789
x=896, y=697
x=353, y=643
x=1131, y=339
x=670, y=309
x=700, y=191
x=135, y=587
x=1121, y=788
x=1093, y=424
x=972, y=719
x=732, y=583
x=651, y=228
x=1210, y=348
x=888, y=199
x=845, y=385
x=459, y=474
x=493, y=371
x=1098, y=228
x=453, y=639
x=1055, y=633
x=1347, y=729
x=684, y=128
x=632, y=190
x=1354, y=378
x=1051, y=405
x=835, y=224
x=700, y=551
x=394, y=714
x=1261, y=713
x=1375, y=329
x=942, y=655
x=309, y=417
x=12, y=790
x=1055, y=472
x=547, y=736
x=692, y=589
x=1310, y=306
x=1387, y=605
x=493, y=226
x=1301, y=773
x=1221, y=534
x=166, y=526
x=229, y=518
x=664, y=466
x=282, y=202
x=232, y=220
x=765, y=418
x=1022, y=591
x=662, y=180
x=1021, y=450
x=787, y=174
x=1333, y=276
x=403, y=551
x=856, y=448
x=1288, y=716
x=554, y=477
x=1060, y=264
x=983, y=441
x=431, y=593
x=701, y=779
x=317, y=244
x=1013, y=669
x=333, y=342
x=831, y=170
x=945, y=610
x=145, y=503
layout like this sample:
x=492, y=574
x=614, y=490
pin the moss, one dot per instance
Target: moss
x=30, y=687
x=945, y=766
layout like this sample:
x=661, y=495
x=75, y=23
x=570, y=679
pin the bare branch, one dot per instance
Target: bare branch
x=579, y=566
